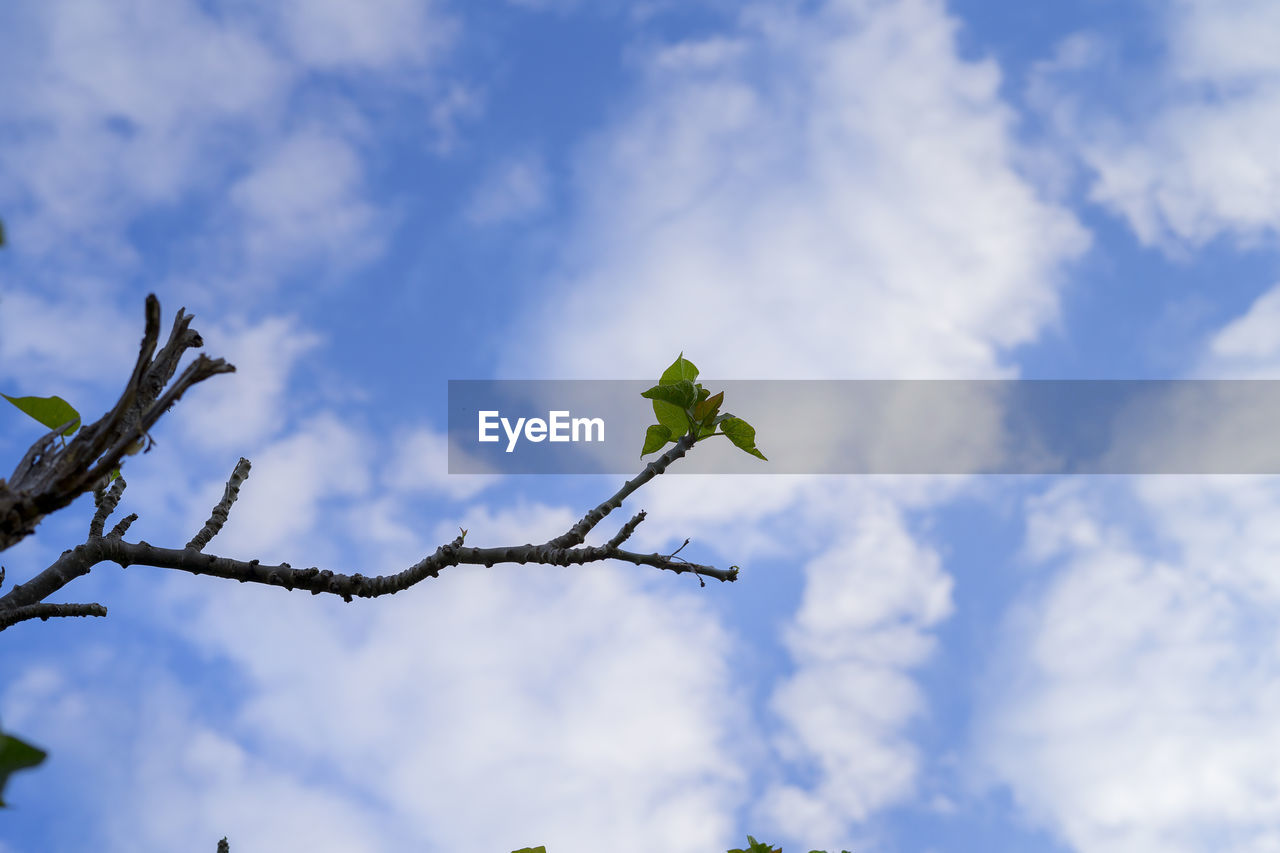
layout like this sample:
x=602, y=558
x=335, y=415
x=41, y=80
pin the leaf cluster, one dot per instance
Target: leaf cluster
x=683, y=407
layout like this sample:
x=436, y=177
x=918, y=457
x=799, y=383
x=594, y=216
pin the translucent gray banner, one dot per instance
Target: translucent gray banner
x=1020, y=426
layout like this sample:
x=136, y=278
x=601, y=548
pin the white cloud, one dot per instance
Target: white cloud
x=304, y=203
x=163, y=779
x=1135, y=708
x=122, y=104
x=280, y=505
x=760, y=184
x=546, y=688
x=870, y=601
x=419, y=463
x=240, y=410
x=515, y=189
x=335, y=34
x=1192, y=157
x=80, y=338
x=130, y=111
x=1249, y=346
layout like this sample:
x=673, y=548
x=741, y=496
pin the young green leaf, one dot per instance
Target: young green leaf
x=16, y=755
x=681, y=393
x=654, y=438
x=50, y=411
x=538, y=849
x=669, y=403
x=707, y=406
x=742, y=434
x=679, y=369
x=671, y=417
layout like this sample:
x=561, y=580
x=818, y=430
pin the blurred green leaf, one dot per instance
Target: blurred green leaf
x=53, y=411
x=16, y=755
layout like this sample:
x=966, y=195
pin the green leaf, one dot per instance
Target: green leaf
x=1, y=232
x=682, y=393
x=681, y=368
x=707, y=406
x=654, y=438
x=50, y=411
x=669, y=403
x=754, y=846
x=671, y=417
x=742, y=434
x=538, y=849
x=16, y=755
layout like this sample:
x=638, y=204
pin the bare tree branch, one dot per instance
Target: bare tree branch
x=18, y=603
x=54, y=473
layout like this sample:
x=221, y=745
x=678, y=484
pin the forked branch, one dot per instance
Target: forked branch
x=52, y=475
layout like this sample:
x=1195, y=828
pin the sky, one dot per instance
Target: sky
x=360, y=202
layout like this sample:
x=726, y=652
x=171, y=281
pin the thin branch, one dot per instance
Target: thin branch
x=122, y=526
x=220, y=512
x=577, y=534
x=44, y=612
x=106, y=502
x=627, y=529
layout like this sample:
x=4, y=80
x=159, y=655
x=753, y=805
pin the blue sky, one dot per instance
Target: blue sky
x=360, y=202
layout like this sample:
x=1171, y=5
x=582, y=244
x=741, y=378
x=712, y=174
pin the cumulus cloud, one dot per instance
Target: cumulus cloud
x=1188, y=155
x=1137, y=708
x=120, y=105
x=306, y=202
x=418, y=462
x=291, y=480
x=546, y=689
x=241, y=410
x=758, y=183
x=1248, y=347
x=869, y=603
x=164, y=777
x=385, y=33
x=82, y=339
x=155, y=103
